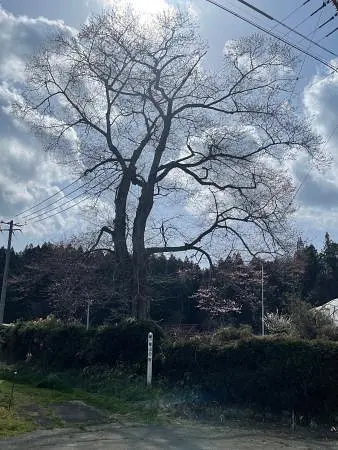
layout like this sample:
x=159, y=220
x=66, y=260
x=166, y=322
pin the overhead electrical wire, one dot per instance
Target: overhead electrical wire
x=274, y=35
x=331, y=135
x=61, y=211
x=294, y=27
x=328, y=21
x=41, y=215
x=50, y=197
x=33, y=215
x=285, y=41
x=304, y=59
x=33, y=212
x=322, y=79
x=53, y=209
x=331, y=32
x=48, y=205
x=291, y=13
x=323, y=5
x=290, y=29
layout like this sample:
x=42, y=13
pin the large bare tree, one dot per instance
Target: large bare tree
x=198, y=153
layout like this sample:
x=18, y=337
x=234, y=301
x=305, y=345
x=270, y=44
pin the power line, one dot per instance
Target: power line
x=304, y=59
x=53, y=209
x=61, y=211
x=331, y=32
x=48, y=198
x=38, y=216
x=323, y=5
x=291, y=13
x=329, y=20
x=290, y=29
x=276, y=36
x=41, y=217
x=296, y=26
x=322, y=79
x=46, y=207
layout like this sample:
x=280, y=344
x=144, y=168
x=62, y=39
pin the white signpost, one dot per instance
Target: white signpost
x=150, y=359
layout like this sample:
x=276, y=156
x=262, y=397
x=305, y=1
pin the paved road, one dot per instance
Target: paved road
x=154, y=437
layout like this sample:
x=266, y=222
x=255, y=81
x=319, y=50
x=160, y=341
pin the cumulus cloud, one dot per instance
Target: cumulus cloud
x=27, y=174
x=318, y=193
x=320, y=100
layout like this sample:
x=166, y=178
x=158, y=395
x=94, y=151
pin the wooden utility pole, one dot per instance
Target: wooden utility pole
x=6, y=269
x=5, y=276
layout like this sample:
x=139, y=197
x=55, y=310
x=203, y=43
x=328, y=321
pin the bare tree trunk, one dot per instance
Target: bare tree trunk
x=123, y=261
x=141, y=301
x=120, y=222
x=140, y=297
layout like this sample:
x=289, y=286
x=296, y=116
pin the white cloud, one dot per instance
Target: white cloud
x=27, y=173
x=321, y=100
x=143, y=6
x=318, y=193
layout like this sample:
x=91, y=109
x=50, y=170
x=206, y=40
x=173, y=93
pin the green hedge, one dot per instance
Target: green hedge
x=271, y=374
x=275, y=375
x=53, y=344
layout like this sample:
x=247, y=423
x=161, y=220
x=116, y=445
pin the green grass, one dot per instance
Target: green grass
x=17, y=420
x=11, y=424
x=120, y=393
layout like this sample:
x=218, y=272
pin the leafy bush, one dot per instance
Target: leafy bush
x=54, y=381
x=227, y=334
x=270, y=373
x=53, y=344
x=311, y=324
x=245, y=331
x=125, y=342
x=276, y=323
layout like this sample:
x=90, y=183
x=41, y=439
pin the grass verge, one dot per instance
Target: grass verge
x=121, y=394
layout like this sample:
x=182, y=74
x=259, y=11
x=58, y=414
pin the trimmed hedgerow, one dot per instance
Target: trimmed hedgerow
x=273, y=374
x=53, y=344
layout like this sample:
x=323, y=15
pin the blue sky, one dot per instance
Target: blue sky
x=28, y=175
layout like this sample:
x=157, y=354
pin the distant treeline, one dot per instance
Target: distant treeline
x=63, y=279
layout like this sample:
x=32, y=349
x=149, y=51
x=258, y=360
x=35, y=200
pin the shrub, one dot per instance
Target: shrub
x=268, y=373
x=245, y=331
x=311, y=324
x=276, y=323
x=53, y=344
x=227, y=334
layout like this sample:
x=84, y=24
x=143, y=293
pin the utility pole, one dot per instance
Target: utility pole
x=262, y=289
x=6, y=269
x=88, y=312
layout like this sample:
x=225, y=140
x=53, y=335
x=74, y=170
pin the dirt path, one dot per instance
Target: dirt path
x=155, y=437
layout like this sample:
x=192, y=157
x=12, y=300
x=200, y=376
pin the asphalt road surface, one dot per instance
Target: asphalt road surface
x=154, y=437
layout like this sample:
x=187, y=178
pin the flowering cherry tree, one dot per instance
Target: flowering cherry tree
x=209, y=299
